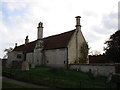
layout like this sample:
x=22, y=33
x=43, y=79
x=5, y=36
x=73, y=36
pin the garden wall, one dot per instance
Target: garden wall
x=101, y=69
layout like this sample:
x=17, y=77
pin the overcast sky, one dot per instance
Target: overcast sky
x=19, y=18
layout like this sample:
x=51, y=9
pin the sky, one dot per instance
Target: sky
x=19, y=18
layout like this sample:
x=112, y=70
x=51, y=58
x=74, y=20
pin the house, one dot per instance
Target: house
x=57, y=50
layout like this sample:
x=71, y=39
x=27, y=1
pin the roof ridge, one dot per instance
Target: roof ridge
x=28, y=43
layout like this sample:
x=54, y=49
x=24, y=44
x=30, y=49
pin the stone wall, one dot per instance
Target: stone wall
x=102, y=69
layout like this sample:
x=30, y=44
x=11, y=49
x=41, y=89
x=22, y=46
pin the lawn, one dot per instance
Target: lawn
x=61, y=78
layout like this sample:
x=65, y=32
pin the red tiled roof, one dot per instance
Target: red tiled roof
x=51, y=42
x=58, y=41
x=29, y=47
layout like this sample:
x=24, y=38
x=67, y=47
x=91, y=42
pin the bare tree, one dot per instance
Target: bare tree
x=7, y=51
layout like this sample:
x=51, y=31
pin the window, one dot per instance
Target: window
x=19, y=56
x=37, y=60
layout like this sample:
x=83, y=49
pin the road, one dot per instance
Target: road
x=26, y=84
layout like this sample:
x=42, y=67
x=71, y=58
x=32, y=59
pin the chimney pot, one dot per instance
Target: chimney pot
x=15, y=44
x=40, y=25
x=78, y=21
x=78, y=17
x=40, y=30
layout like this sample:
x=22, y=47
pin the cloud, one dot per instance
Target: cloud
x=90, y=14
x=92, y=37
x=21, y=17
x=110, y=21
x=12, y=6
x=108, y=24
x=9, y=25
x=100, y=31
x=97, y=46
x=18, y=1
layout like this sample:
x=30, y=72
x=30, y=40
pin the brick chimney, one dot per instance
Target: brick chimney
x=26, y=40
x=40, y=31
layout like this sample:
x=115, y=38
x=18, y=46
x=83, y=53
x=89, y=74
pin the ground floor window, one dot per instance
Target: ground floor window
x=19, y=56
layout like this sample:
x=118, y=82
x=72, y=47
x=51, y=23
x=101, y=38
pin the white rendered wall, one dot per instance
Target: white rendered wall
x=74, y=46
x=29, y=58
x=12, y=56
x=72, y=49
x=56, y=57
x=37, y=56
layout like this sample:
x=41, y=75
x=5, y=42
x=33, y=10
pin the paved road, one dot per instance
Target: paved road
x=26, y=84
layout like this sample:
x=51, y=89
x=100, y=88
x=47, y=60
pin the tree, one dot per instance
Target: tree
x=84, y=53
x=112, y=50
x=7, y=52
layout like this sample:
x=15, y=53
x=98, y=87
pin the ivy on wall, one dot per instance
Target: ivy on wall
x=84, y=53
